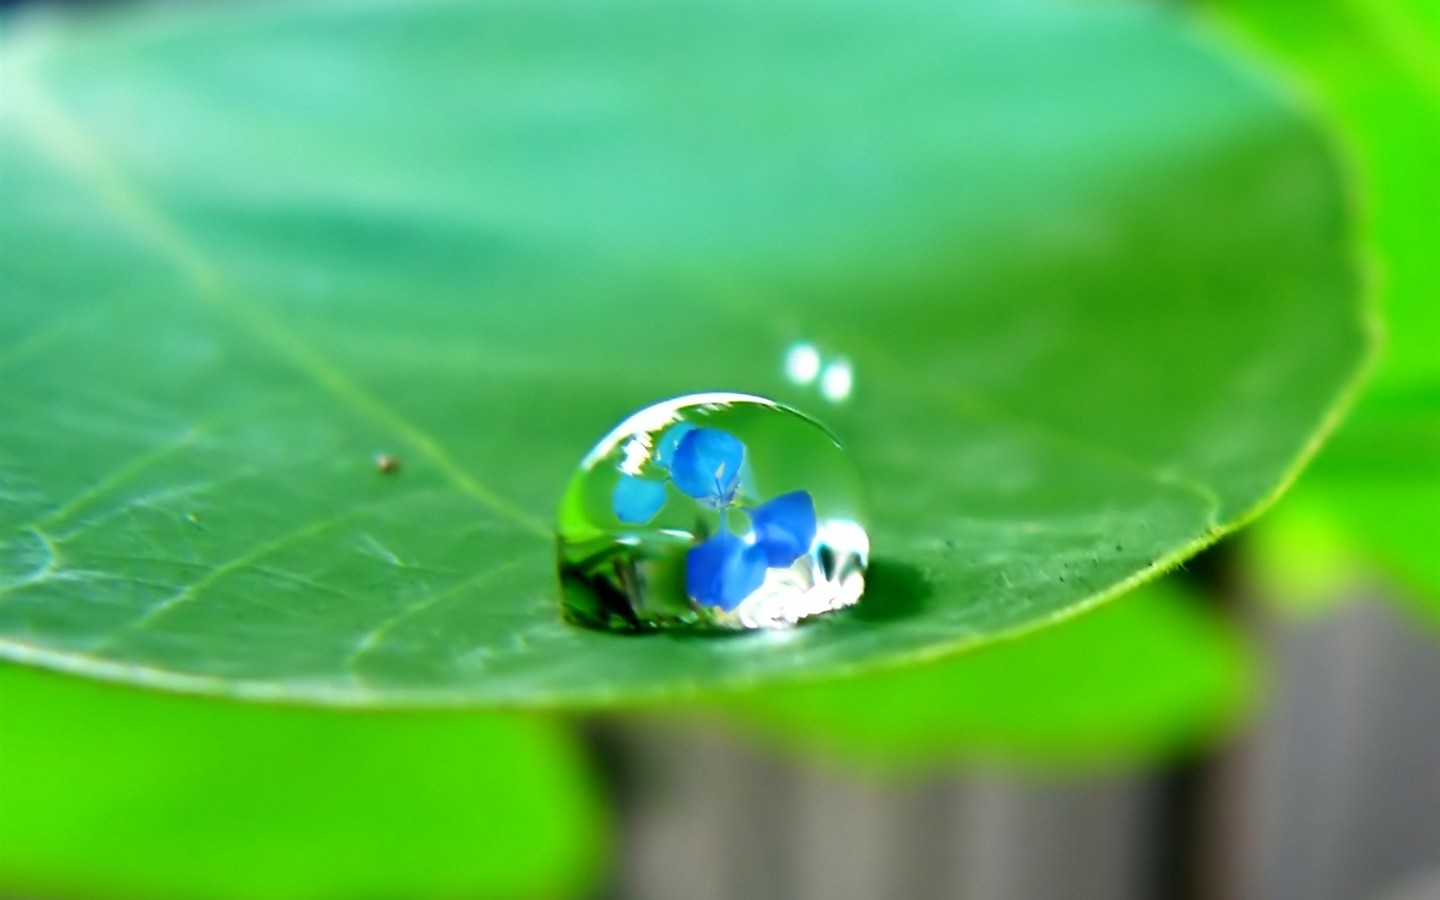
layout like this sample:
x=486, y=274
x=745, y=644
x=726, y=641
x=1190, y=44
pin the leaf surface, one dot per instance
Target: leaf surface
x=1372, y=502
x=1094, y=286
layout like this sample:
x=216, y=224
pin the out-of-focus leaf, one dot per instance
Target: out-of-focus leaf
x=108, y=791
x=1096, y=286
x=1303, y=561
x=1374, y=67
x=1371, y=502
x=1147, y=675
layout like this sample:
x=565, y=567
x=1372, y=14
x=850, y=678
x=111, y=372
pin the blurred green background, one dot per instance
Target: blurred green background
x=1255, y=724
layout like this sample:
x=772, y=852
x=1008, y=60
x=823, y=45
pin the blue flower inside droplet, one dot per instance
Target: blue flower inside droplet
x=784, y=527
x=665, y=447
x=726, y=569
x=637, y=500
x=706, y=464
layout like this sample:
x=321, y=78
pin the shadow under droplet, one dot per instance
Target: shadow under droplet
x=893, y=590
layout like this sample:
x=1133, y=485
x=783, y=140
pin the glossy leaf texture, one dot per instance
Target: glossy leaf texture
x=1372, y=502
x=1152, y=674
x=110, y=792
x=1093, y=285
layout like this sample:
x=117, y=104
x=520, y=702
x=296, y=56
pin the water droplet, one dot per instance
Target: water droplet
x=802, y=363
x=712, y=511
x=805, y=366
x=837, y=381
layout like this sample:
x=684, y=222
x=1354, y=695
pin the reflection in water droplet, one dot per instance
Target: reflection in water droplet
x=712, y=511
x=837, y=381
x=802, y=363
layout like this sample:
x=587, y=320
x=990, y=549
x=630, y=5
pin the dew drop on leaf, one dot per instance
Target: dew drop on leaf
x=712, y=512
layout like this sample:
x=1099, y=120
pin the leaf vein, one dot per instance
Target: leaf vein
x=192, y=591
x=55, y=133
x=372, y=639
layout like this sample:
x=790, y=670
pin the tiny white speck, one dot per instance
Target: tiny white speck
x=802, y=363
x=837, y=381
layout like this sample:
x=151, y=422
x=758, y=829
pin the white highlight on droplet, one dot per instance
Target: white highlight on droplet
x=838, y=380
x=808, y=587
x=802, y=363
x=637, y=451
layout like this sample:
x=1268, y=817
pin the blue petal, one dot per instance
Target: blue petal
x=723, y=571
x=636, y=500
x=665, y=447
x=784, y=527
x=706, y=465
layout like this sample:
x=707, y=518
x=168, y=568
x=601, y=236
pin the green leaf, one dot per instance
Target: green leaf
x=109, y=791
x=1148, y=675
x=1370, y=504
x=1095, y=284
x=1374, y=69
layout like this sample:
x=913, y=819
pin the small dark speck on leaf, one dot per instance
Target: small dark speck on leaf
x=386, y=464
x=193, y=519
